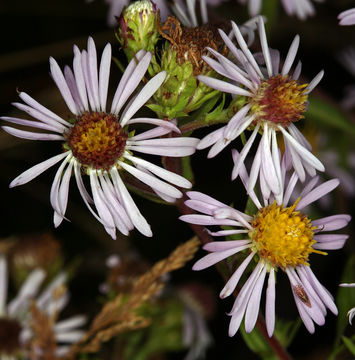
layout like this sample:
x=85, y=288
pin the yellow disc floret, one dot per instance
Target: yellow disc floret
x=282, y=236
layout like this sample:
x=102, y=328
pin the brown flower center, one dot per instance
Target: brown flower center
x=97, y=140
x=280, y=100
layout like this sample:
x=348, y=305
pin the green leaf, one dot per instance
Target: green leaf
x=284, y=332
x=187, y=171
x=349, y=344
x=271, y=11
x=324, y=113
x=250, y=208
x=345, y=298
x=257, y=343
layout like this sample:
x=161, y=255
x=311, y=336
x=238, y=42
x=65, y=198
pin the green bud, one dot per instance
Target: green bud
x=138, y=27
x=182, y=93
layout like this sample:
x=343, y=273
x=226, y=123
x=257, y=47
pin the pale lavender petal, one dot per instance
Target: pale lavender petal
x=163, y=150
x=292, y=52
x=252, y=311
x=36, y=170
x=92, y=72
x=132, y=83
x=246, y=50
x=101, y=206
x=236, y=121
x=210, y=139
x=223, y=86
x=214, y=258
x=317, y=193
x=264, y=46
x=88, y=85
x=79, y=77
x=290, y=187
x=225, y=245
x=226, y=232
x=104, y=75
x=31, y=135
x=163, y=123
x=62, y=85
x=125, y=78
x=319, y=288
x=152, y=181
x=86, y=196
x=161, y=172
x=302, y=151
x=28, y=290
x=40, y=108
x=70, y=80
x=150, y=134
x=331, y=223
x=254, y=170
x=297, y=72
x=270, y=303
x=316, y=80
x=136, y=217
x=196, y=195
x=309, y=187
x=330, y=245
x=73, y=322
x=3, y=284
x=234, y=279
x=54, y=194
x=36, y=124
x=207, y=220
x=330, y=237
x=143, y=96
x=42, y=117
x=240, y=160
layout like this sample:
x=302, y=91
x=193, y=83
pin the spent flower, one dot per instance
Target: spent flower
x=98, y=143
x=15, y=317
x=280, y=236
x=274, y=100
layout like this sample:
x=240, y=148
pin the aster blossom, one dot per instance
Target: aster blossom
x=15, y=316
x=98, y=143
x=300, y=8
x=280, y=236
x=274, y=100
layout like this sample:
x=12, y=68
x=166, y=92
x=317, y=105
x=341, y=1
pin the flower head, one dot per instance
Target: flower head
x=274, y=101
x=15, y=317
x=98, y=143
x=300, y=8
x=280, y=236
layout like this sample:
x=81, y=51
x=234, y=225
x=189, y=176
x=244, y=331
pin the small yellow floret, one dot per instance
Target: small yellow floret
x=283, y=236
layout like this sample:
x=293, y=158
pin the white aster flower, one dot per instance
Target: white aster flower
x=274, y=100
x=98, y=142
x=300, y=8
x=351, y=312
x=279, y=237
x=15, y=316
x=347, y=17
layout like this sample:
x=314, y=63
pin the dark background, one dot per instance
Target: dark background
x=33, y=30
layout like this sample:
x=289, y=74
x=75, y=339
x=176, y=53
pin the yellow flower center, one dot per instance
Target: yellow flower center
x=97, y=140
x=280, y=100
x=282, y=236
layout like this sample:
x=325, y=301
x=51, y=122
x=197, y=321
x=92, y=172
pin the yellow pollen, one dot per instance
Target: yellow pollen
x=280, y=100
x=282, y=236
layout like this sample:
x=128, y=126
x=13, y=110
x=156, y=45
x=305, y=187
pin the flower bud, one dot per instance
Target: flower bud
x=138, y=27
